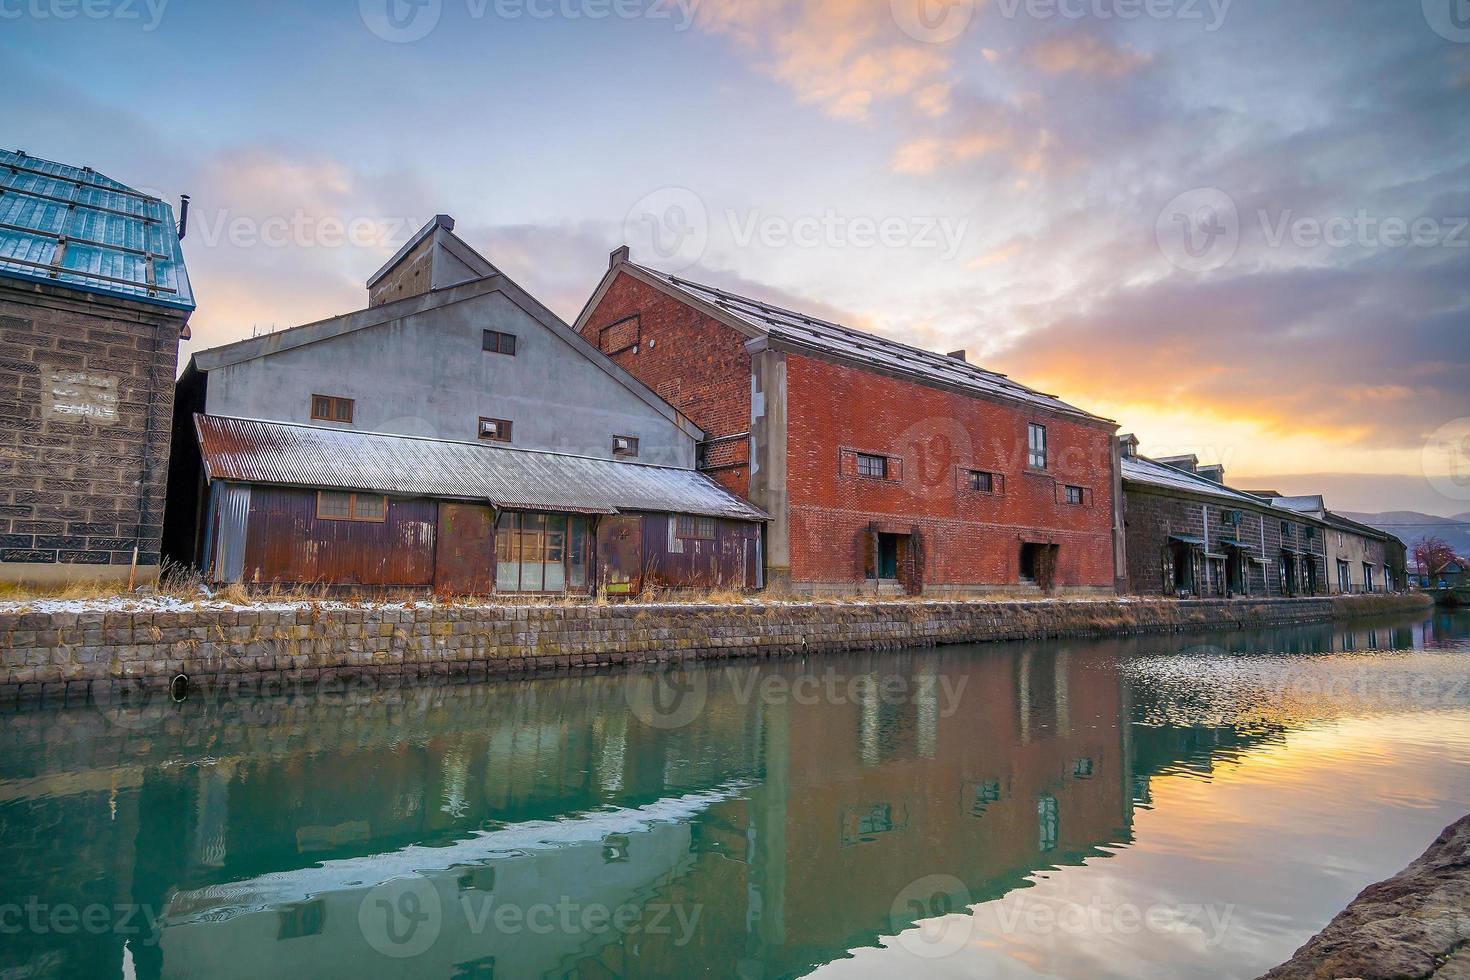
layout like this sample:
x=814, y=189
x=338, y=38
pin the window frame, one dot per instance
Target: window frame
x=500, y=337
x=506, y=439
x=333, y=402
x=1035, y=451
x=631, y=452
x=867, y=459
x=974, y=477
x=352, y=514
x=1081, y=495
x=692, y=527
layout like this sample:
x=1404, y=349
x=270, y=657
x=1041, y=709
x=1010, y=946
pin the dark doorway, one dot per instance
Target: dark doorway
x=888, y=555
x=1311, y=569
x=1181, y=561
x=1030, y=560
x=1288, y=573
x=1039, y=565
x=1235, y=572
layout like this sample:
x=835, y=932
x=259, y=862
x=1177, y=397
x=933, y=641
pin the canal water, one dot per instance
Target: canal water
x=1181, y=806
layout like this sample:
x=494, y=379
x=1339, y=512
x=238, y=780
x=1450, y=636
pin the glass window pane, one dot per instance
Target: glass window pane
x=330, y=503
x=577, y=553
x=507, y=553
x=533, y=551
x=370, y=507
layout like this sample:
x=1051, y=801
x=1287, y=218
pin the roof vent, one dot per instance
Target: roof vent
x=1128, y=445
x=958, y=355
x=618, y=256
x=1214, y=473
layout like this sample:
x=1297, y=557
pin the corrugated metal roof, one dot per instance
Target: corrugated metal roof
x=834, y=338
x=1141, y=469
x=73, y=226
x=254, y=451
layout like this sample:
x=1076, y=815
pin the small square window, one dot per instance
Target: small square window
x=872, y=466
x=495, y=430
x=980, y=482
x=500, y=343
x=1076, y=495
x=625, y=446
x=331, y=408
x=695, y=528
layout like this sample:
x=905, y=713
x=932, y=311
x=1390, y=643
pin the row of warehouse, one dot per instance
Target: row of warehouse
x=456, y=435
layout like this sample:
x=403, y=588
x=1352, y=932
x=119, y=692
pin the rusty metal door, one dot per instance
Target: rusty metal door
x=464, y=555
x=620, y=555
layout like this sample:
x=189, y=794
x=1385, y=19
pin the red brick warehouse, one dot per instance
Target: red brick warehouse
x=885, y=468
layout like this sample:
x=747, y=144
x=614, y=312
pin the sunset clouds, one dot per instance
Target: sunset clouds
x=1312, y=319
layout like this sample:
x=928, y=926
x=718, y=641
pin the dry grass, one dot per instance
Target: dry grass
x=183, y=584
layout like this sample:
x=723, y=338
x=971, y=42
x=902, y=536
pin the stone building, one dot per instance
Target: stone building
x=94, y=299
x=1360, y=559
x=884, y=467
x=1186, y=533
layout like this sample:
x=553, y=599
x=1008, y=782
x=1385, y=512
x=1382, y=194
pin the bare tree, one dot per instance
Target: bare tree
x=1433, y=554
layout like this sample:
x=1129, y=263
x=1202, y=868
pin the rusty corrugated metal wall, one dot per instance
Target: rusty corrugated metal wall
x=730, y=561
x=287, y=543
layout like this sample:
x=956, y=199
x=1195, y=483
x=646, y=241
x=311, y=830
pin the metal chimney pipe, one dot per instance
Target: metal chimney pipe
x=183, y=216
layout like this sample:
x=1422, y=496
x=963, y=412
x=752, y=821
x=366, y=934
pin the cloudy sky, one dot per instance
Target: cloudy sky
x=1237, y=226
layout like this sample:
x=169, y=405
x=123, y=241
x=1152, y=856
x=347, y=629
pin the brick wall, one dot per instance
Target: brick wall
x=695, y=363
x=969, y=538
x=80, y=385
x=78, y=653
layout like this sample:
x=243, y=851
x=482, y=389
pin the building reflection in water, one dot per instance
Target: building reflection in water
x=768, y=835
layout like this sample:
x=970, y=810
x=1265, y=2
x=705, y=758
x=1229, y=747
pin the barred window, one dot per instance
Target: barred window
x=873, y=466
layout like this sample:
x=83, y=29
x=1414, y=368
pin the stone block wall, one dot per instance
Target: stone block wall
x=86, y=395
x=49, y=654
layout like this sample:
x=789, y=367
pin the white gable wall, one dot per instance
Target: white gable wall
x=426, y=374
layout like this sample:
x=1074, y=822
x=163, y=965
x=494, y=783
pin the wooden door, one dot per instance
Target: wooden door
x=464, y=554
x=620, y=554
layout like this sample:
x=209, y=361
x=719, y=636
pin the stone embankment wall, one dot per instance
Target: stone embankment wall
x=74, y=653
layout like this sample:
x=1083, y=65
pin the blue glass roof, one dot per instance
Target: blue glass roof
x=72, y=226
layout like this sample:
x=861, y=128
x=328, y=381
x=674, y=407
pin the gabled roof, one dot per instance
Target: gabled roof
x=1357, y=527
x=71, y=226
x=755, y=319
x=324, y=330
x=291, y=454
x=1149, y=472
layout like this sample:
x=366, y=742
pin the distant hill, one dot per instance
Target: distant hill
x=1410, y=525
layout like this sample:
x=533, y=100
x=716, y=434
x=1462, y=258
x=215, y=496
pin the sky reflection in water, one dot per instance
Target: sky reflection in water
x=1149, y=807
